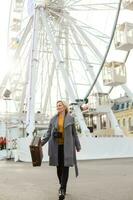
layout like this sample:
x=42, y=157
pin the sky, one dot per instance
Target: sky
x=4, y=63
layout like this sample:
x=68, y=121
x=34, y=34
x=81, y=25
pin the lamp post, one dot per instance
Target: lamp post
x=6, y=96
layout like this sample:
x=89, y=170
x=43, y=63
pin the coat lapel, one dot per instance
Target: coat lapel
x=55, y=121
x=68, y=120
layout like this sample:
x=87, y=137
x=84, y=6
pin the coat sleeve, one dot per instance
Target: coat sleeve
x=76, y=138
x=47, y=135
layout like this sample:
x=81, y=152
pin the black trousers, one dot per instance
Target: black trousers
x=62, y=171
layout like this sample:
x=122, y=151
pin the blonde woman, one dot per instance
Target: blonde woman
x=62, y=139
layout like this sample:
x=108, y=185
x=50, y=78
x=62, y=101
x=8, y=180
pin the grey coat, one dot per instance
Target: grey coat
x=71, y=141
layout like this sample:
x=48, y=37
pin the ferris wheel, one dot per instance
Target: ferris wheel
x=58, y=49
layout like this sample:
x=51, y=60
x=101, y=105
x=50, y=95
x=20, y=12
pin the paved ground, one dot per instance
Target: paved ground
x=98, y=180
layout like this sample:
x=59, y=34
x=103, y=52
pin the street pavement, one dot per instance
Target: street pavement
x=110, y=179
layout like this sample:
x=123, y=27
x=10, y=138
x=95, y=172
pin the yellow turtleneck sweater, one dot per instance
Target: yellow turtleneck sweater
x=61, y=128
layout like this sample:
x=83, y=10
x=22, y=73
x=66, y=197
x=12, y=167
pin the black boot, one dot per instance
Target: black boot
x=61, y=194
x=59, y=191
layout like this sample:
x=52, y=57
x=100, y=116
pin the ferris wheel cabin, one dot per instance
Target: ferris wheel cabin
x=128, y=4
x=124, y=37
x=114, y=73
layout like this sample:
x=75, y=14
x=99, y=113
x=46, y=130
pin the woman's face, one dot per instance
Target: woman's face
x=60, y=107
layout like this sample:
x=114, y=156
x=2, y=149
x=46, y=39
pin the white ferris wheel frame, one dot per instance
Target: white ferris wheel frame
x=40, y=12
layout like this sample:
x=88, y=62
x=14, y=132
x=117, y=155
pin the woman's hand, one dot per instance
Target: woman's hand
x=42, y=142
x=78, y=150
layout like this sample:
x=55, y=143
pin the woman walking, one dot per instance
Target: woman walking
x=62, y=139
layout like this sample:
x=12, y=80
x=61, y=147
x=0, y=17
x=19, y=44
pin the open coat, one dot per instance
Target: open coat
x=71, y=141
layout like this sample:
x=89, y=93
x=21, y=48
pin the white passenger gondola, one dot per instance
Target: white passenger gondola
x=128, y=4
x=124, y=37
x=114, y=73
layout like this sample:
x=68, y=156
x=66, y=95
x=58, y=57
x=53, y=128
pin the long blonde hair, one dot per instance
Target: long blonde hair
x=65, y=105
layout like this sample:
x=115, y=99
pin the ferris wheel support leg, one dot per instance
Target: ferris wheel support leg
x=48, y=90
x=30, y=121
x=67, y=82
x=114, y=124
x=77, y=110
x=127, y=91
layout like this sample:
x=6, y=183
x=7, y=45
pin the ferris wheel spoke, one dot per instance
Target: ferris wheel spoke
x=74, y=75
x=82, y=55
x=94, y=6
x=23, y=38
x=74, y=80
x=89, y=42
x=49, y=87
x=86, y=27
x=74, y=2
x=40, y=75
x=94, y=32
x=67, y=2
x=26, y=78
x=43, y=78
x=59, y=95
x=24, y=50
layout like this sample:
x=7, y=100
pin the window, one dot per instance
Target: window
x=123, y=122
x=129, y=122
x=119, y=122
x=127, y=106
x=122, y=106
x=117, y=107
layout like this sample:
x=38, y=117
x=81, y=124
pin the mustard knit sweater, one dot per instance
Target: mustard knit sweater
x=61, y=128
